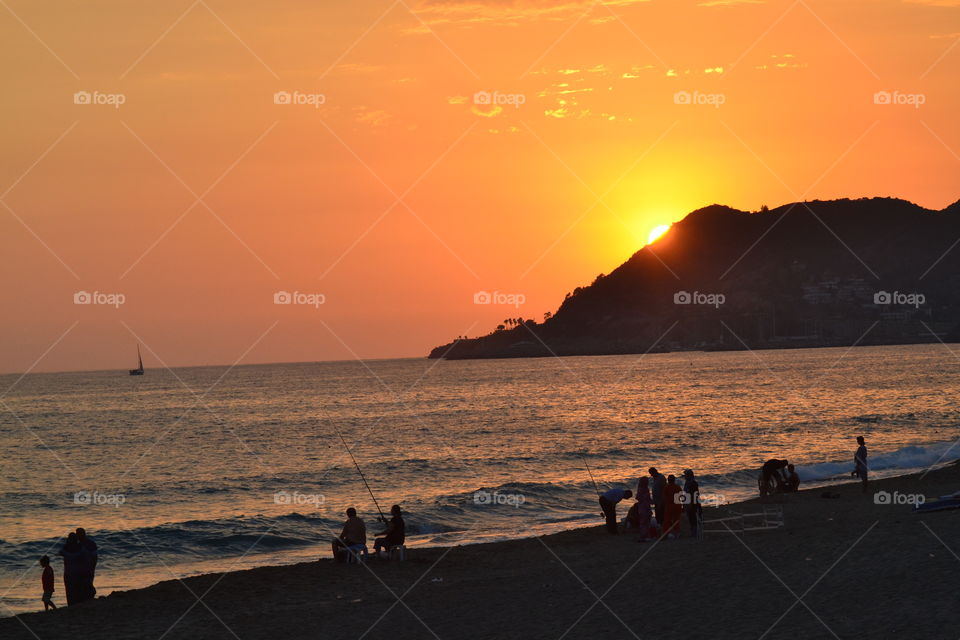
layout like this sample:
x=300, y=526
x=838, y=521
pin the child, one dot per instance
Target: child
x=47, y=581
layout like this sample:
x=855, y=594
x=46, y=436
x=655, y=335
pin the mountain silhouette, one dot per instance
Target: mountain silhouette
x=806, y=274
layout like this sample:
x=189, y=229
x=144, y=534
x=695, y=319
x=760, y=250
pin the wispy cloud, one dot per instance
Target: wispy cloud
x=507, y=12
x=727, y=3
x=935, y=3
x=487, y=111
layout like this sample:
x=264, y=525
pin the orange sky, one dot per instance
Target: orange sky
x=399, y=197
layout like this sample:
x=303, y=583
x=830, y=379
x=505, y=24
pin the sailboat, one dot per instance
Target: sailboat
x=139, y=370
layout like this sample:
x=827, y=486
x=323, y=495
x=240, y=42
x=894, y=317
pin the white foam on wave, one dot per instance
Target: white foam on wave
x=909, y=457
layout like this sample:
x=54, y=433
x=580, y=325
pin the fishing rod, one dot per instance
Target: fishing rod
x=370, y=491
x=584, y=458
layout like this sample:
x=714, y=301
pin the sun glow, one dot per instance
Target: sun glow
x=656, y=232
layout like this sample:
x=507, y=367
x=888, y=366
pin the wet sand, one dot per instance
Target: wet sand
x=840, y=568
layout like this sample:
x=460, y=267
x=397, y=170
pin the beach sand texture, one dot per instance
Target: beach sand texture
x=841, y=568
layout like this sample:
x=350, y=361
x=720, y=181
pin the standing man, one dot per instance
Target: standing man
x=608, y=503
x=860, y=462
x=659, y=484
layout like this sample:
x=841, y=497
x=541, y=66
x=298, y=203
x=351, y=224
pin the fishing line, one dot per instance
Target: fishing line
x=382, y=518
x=589, y=472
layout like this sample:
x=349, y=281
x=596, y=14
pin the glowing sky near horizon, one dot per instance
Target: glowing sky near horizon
x=428, y=150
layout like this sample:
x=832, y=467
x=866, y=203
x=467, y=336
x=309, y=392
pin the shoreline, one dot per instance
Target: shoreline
x=505, y=572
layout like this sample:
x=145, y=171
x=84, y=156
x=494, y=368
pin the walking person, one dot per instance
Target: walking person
x=608, y=504
x=860, y=468
x=46, y=581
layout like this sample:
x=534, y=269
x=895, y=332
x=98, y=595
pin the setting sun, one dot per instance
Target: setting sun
x=656, y=232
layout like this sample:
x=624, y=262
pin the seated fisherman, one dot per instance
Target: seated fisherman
x=395, y=534
x=352, y=538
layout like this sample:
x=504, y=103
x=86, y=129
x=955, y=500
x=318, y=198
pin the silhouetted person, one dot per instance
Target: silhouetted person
x=89, y=548
x=46, y=581
x=771, y=476
x=353, y=537
x=691, y=489
x=608, y=503
x=672, y=507
x=643, y=505
x=792, y=483
x=860, y=462
x=74, y=570
x=395, y=534
x=656, y=489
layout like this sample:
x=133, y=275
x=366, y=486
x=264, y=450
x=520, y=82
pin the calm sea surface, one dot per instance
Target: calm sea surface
x=209, y=468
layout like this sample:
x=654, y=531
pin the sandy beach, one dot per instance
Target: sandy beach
x=842, y=567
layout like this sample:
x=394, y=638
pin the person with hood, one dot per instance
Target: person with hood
x=74, y=570
x=691, y=490
x=643, y=509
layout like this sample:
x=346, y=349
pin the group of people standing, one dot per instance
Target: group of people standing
x=80, y=557
x=658, y=506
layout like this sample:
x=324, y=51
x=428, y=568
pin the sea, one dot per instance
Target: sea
x=193, y=470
